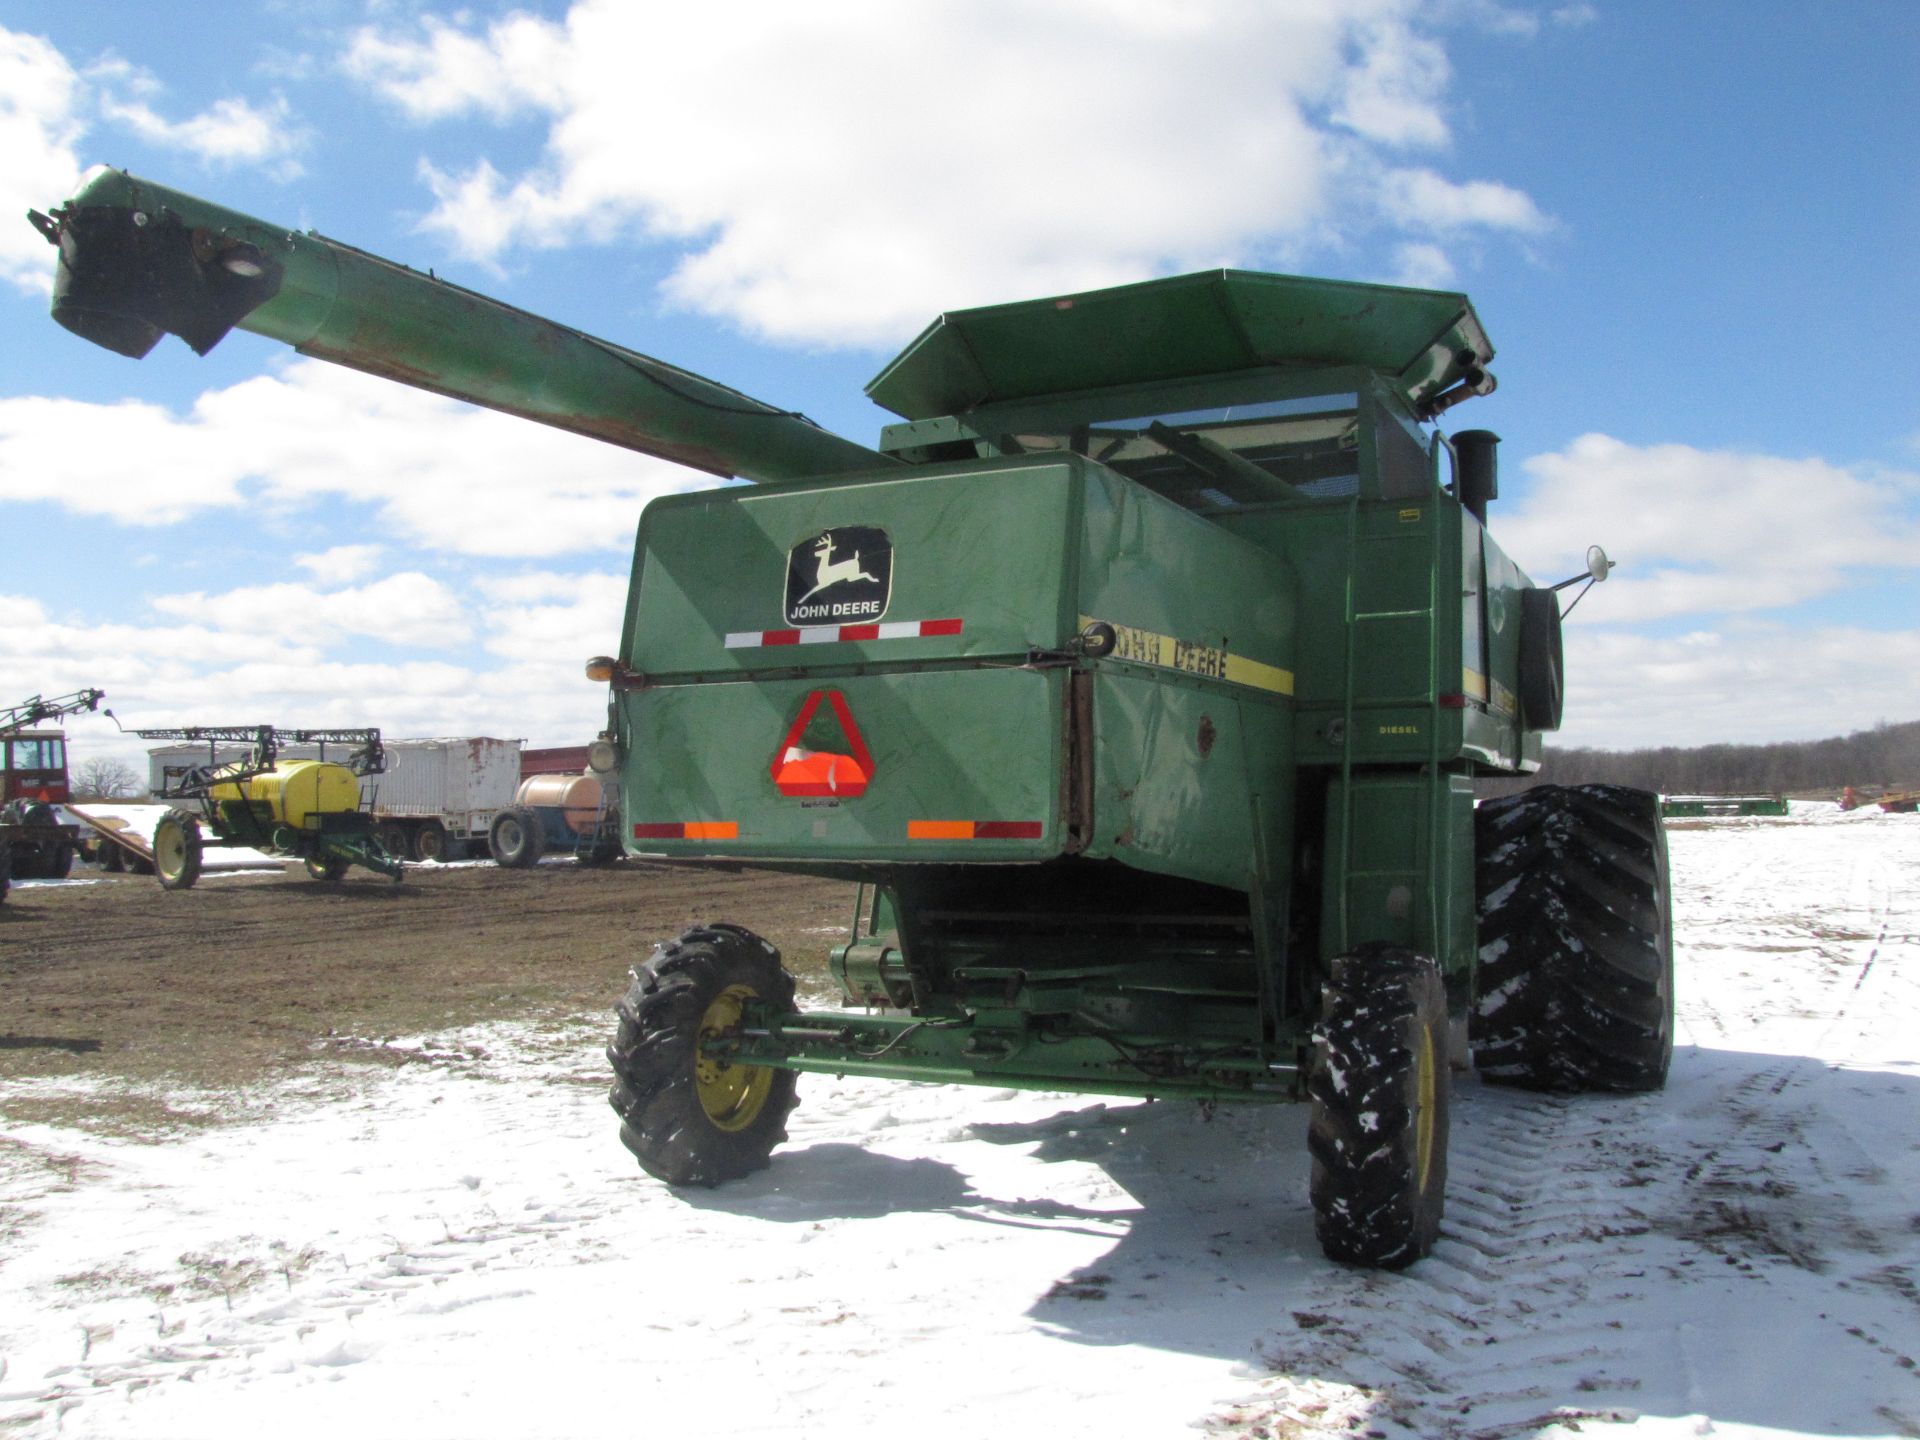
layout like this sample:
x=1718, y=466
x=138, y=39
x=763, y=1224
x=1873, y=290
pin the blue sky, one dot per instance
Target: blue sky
x=1689, y=229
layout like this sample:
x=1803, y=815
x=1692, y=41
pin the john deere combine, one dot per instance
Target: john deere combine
x=1140, y=677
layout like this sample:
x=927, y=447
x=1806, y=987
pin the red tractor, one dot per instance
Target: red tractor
x=34, y=845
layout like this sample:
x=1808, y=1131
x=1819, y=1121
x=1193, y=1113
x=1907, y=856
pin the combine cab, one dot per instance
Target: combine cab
x=1140, y=679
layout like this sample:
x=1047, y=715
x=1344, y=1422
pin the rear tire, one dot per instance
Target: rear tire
x=112, y=858
x=177, y=850
x=600, y=852
x=430, y=843
x=61, y=865
x=516, y=839
x=329, y=869
x=393, y=840
x=687, y=1119
x=1575, y=983
x=1380, y=1091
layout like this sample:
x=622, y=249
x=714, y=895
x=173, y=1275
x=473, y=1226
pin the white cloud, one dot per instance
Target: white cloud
x=142, y=464
x=515, y=67
x=1426, y=266
x=1393, y=94
x=405, y=609
x=434, y=471
x=581, y=618
x=191, y=673
x=1699, y=531
x=1750, y=682
x=47, y=107
x=1086, y=145
x=1424, y=200
x=228, y=132
x=341, y=564
x=39, y=127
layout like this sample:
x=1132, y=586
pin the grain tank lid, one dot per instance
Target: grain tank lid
x=1214, y=323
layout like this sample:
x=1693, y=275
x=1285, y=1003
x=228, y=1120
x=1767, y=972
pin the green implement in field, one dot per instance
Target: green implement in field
x=1139, y=678
x=1694, y=807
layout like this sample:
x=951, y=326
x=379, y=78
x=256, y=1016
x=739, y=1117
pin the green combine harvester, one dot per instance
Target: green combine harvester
x=1140, y=679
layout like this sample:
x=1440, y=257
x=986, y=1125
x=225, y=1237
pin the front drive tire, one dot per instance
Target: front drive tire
x=1380, y=1089
x=176, y=850
x=1575, y=982
x=690, y=1120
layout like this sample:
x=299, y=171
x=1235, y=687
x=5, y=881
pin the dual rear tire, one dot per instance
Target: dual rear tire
x=1574, y=992
x=1575, y=981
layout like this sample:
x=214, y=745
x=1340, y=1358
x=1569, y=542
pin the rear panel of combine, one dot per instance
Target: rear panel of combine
x=882, y=673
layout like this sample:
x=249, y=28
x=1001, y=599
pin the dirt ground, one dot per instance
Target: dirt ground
x=243, y=977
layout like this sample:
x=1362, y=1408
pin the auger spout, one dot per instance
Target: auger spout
x=138, y=260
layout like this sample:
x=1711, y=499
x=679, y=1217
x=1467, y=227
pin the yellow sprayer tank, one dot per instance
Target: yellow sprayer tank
x=296, y=790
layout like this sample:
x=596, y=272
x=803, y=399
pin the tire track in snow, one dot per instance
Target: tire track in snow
x=1594, y=1244
x=1487, y=1336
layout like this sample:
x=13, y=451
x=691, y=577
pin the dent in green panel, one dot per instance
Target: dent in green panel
x=1146, y=562
x=1170, y=779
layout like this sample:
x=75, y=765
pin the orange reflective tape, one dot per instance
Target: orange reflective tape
x=940, y=829
x=713, y=830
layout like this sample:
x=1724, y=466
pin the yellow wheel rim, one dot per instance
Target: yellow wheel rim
x=1428, y=1083
x=732, y=1095
x=170, y=850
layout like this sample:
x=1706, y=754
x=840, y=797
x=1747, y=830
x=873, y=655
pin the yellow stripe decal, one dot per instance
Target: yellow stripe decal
x=1144, y=647
x=1473, y=684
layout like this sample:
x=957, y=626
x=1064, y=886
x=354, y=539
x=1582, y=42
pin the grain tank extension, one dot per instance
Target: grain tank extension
x=1139, y=677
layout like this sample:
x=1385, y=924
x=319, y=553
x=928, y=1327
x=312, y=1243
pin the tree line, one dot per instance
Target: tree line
x=1887, y=756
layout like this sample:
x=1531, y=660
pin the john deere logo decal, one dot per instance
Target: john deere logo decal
x=840, y=575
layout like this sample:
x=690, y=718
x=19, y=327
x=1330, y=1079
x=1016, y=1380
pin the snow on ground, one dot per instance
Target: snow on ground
x=143, y=820
x=456, y=1245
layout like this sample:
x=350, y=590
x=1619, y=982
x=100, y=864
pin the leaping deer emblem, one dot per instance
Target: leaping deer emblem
x=829, y=571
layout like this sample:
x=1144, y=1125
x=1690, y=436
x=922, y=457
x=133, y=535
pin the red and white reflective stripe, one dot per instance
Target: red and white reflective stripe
x=836, y=634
